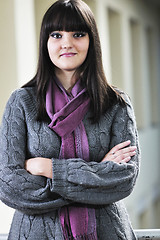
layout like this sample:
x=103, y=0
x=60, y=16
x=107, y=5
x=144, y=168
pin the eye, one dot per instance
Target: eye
x=56, y=35
x=79, y=34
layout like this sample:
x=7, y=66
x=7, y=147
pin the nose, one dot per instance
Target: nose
x=67, y=42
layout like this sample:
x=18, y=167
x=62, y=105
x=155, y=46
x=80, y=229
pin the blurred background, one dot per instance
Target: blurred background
x=130, y=39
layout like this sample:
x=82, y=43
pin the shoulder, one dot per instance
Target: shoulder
x=121, y=108
x=23, y=94
x=125, y=113
x=22, y=99
x=123, y=95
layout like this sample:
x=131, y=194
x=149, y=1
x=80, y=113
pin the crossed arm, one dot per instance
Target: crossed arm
x=121, y=153
x=72, y=179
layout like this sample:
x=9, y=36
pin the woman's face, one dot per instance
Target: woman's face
x=68, y=50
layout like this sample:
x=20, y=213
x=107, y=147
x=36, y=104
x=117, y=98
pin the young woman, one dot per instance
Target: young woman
x=69, y=147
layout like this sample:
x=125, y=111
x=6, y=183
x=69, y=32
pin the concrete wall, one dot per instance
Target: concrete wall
x=129, y=31
x=17, y=60
x=8, y=74
x=131, y=60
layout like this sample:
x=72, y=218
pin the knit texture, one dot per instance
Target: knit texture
x=38, y=199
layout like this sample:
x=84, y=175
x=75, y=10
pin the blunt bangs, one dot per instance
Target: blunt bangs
x=66, y=18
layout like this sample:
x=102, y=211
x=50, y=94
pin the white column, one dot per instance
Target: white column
x=103, y=28
x=25, y=34
x=126, y=56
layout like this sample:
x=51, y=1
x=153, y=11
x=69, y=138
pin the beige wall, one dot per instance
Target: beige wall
x=8, y=74
x=8, y=77
x=41, y=7
x=130, y=38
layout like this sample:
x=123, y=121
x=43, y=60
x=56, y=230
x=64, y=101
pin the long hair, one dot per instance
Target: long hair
x=70, y=16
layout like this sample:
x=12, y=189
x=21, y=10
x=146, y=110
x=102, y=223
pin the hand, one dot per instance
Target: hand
x=39, y=166
x=120, y=153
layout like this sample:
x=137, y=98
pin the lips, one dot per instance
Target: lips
x=68, y=54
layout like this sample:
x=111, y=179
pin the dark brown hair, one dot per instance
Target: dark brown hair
x=70, y=16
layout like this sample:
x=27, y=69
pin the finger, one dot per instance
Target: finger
x=126, y=150
x=126, y=155
x=122, y=159
x=120, y=146
x=118, y=150
x=125, y=160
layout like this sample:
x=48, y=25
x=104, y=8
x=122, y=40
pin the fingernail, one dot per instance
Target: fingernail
x=127, y=159
x=133, y=147
x=123, y=161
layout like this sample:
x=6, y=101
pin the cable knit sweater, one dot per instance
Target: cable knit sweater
x=100, y=185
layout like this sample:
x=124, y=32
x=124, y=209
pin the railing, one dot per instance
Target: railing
x=148, y=234
x=3, y=236
x=142, y=234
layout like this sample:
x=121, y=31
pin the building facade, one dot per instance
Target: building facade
x=130, y=37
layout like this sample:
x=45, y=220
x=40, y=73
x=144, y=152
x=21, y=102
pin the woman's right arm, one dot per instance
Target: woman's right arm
x=18, y=188
x=121, y=153
x=113, y=178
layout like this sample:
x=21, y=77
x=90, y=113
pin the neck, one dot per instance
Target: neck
x=67, y=79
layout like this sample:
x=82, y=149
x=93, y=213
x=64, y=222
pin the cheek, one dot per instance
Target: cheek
x=85, y=51
x=86, y=47
x=51, y=51
x=49, y=48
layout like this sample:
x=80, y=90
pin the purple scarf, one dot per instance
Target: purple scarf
x=66, y=112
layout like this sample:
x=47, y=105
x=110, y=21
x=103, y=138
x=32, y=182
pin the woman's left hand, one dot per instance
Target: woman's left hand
x=39, y=166
x=121, y=153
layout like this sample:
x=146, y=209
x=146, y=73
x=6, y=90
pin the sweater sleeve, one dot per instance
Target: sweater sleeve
x=105, y=182
x=18, y=188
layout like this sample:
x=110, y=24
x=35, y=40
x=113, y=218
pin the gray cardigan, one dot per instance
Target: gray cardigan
x=100, y=185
